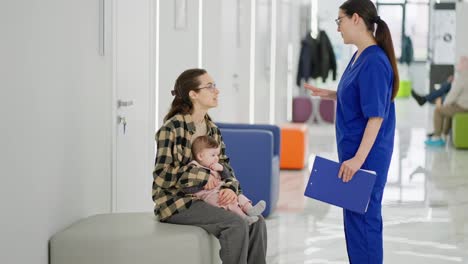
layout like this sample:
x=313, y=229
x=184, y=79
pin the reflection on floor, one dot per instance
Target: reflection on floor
x=425, y=202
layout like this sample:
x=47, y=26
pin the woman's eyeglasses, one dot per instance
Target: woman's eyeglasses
x=211, y=87
x=338, y=20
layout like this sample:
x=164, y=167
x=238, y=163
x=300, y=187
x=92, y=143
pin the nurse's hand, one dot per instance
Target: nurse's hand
x=323, y=93
x=349, y=168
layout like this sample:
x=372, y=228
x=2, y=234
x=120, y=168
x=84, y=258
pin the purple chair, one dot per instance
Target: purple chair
x=327, y=110
x=302, y=109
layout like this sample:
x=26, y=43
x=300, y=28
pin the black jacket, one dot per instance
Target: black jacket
x=316, y=58
x=327, y=57
x=308, y=60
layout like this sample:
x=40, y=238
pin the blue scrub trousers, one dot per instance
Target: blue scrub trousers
x=363, y=232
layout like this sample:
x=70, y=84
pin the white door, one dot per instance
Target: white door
x=133, y=82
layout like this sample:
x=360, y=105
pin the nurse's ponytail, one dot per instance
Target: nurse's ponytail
x=384, y=40
x=366, y=9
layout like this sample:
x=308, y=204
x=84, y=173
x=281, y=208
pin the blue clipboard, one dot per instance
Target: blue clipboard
x=324, y=185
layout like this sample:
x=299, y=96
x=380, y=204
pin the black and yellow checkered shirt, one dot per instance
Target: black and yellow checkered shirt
x=172, y=172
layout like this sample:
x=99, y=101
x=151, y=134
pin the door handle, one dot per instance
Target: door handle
x=121, y=103
x=122, y=120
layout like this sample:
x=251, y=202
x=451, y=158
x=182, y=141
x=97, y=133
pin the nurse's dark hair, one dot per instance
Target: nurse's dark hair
x=367, y=11
x=186, y=82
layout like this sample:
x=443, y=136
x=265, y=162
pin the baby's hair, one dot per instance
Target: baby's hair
x=203, y=142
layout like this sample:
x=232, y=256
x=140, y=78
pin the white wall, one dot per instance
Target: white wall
x=178, y=50
x=226, y=56
x=262, y=61
x=462, y=35
x=283, y=41
x=55, y=104
x=212, y=54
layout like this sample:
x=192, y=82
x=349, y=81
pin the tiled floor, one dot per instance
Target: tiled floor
x=425, y=202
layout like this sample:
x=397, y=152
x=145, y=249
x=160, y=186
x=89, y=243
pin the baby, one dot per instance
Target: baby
x=205, y=151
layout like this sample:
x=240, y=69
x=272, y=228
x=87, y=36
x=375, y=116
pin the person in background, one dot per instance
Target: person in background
x=436, y=96
x=195, y=93
x=365, y=120
x=456, y=101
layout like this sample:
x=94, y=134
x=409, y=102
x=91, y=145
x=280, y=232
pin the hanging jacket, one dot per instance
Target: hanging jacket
x=407, y=53
x=316, y=58
x=326, y=56
x=308, y=60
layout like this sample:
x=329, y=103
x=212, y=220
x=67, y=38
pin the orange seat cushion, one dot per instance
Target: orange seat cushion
x=293, y=146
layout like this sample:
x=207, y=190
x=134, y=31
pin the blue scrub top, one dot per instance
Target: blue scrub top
x=364, y=91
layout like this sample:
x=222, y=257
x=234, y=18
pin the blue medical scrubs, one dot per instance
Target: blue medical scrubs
x=365, y=91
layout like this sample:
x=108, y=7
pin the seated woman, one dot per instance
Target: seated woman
x=195, y=93
x=455, y=102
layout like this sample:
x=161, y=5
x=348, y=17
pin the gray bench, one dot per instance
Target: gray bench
x=132, y=238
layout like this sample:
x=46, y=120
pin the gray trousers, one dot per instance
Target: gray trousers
x=240, y=243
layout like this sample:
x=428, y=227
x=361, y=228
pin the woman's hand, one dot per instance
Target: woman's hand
x=216, y=167
x=211, y=184
x=323, y=93
x=226, y=196
x=349, y=168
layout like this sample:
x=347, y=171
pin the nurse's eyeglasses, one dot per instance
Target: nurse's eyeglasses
x=338, y=20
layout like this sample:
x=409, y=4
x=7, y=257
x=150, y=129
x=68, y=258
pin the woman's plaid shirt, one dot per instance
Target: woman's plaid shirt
x=172, y=172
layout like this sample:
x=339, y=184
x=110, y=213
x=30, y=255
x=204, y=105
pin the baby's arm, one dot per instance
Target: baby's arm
x=217, y=167
x=223, y=171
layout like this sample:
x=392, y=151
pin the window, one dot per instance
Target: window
x=407, y=17
x=417, y=27
x=393, y=16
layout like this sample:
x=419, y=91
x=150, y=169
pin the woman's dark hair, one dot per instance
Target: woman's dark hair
x=366, y=9
x=186, y=82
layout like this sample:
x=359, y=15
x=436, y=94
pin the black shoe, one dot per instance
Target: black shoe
x=421, y=100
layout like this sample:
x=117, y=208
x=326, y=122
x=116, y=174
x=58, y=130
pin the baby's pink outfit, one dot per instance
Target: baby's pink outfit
x=212, y=197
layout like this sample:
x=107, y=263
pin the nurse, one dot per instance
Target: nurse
x=365, y=119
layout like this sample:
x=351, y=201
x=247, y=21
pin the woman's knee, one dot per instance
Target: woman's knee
x=259, y=226
x=261, y=222
x=239, y=223
x=236, y=229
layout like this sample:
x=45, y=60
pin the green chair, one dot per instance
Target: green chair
x=460, y=130
x=405, y=89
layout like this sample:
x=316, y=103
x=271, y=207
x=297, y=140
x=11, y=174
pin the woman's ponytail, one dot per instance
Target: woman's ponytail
x=178, y=105
x=384, y=40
